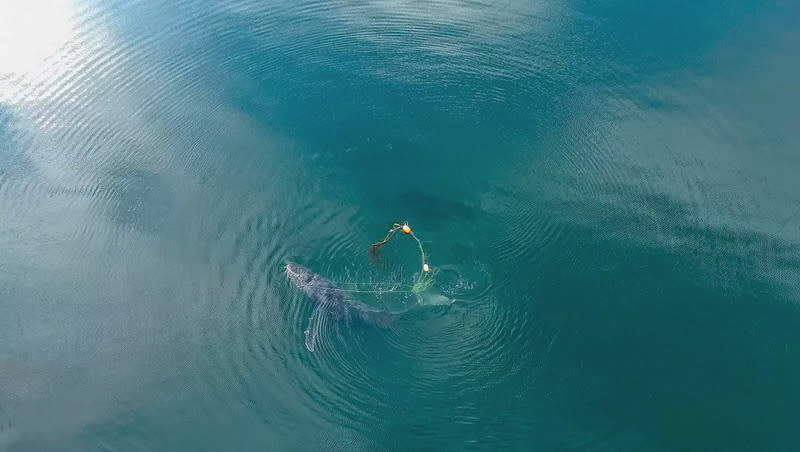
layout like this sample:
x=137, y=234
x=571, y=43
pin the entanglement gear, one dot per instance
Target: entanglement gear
x=426, y=277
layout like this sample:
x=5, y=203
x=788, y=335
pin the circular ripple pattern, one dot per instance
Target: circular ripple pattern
x=161, y=162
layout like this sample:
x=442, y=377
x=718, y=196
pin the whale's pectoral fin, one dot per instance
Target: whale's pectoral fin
x=315, y=325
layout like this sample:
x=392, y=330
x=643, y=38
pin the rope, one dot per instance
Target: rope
x=395, y=227
x=426, y=278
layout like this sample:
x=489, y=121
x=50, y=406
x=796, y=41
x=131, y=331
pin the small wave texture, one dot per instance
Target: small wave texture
x=606, y=192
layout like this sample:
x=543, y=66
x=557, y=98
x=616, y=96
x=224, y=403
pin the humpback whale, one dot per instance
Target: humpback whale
x=330, y=301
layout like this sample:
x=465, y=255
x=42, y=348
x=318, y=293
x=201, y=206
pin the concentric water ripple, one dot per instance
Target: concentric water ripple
x=161, y=162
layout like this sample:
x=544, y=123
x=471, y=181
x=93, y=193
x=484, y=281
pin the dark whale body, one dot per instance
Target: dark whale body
x=331, y=301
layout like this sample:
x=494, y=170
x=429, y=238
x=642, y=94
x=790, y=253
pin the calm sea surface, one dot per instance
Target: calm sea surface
x=608, y=193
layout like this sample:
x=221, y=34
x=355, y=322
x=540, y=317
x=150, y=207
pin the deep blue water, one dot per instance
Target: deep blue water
x=607, y=192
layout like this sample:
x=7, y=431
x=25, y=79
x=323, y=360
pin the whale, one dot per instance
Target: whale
x=330, y=302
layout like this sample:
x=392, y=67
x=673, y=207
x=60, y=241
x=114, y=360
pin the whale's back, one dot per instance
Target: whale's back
x=331, y=302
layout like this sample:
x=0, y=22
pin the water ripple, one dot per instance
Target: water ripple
x=163, y=159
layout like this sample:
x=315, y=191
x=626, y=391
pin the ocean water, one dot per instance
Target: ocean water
x=607, y=191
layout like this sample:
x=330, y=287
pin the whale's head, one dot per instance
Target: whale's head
x=300, y=276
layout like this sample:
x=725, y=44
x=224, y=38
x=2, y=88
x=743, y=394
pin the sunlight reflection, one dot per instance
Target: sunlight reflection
x=31, y=31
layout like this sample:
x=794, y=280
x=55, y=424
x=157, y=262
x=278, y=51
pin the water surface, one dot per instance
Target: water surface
x=608, y=191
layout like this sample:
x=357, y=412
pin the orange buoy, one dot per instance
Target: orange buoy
x=406, y=228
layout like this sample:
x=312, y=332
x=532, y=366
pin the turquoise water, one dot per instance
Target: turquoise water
x=607, y=192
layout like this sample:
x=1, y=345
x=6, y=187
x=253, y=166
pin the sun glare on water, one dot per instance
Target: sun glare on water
x=31, y=31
